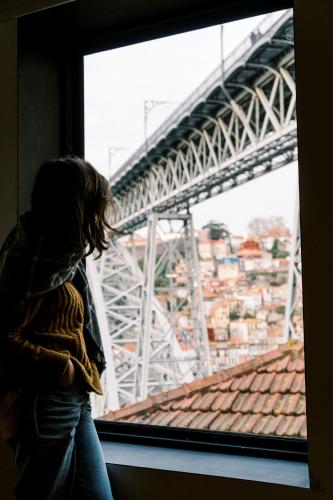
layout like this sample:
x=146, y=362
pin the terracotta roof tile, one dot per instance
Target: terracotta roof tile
x=226, y=403
x=303, y=431
x=296, y=365
x=246, y=382
x=209, y=419
x=184, y=419
x=263, y=396
x=269, y=404
x=262, y=382
x=157, y=418
x=236, y=383
x=262, y=369
x=282, y=428
x=300, y=408
x=280, y=405
x=166, y=406
x=239, y=401
x=282, y=382
x=239, y=422
x=259, y=404
x=133, y=418
x=227, y=423
x=203, y=420
x=291, y=402
x=260, y=424
x=204, y=402
x=272, y=424
x=295, y=426
x=195, y=404
x=178, y=420
x=278, y=366
x=250, y=423
x=168, y=417
x=222, y=386
x=184, y=403
x=218, y=423
x=298, y=384
x=249, y=402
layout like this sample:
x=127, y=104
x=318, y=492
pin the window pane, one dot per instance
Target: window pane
x=199, y=297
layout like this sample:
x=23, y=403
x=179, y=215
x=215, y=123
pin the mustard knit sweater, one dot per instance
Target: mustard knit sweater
x=46, y=333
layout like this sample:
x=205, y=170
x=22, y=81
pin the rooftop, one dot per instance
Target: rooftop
x=265, y=395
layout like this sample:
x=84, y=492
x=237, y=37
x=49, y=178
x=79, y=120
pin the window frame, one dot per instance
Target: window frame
x=192, y=439
x=280, y=448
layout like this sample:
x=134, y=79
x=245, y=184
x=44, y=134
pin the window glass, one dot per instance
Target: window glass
x=199, y=296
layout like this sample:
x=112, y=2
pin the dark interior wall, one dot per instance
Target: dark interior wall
x=102, y=24
x=8, y=126
x=39, y=113
x=11, y=9
x=313, y=29
x=8, y=185
x=135, y=483
x=50, y=103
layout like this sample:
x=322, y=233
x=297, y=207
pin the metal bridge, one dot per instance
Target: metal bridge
x=234, y=127
x=239, y=124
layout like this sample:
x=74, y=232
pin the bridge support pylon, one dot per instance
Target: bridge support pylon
x=172, y=276
x=294, y=279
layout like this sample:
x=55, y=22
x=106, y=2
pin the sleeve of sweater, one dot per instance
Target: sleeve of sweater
x=33, y=356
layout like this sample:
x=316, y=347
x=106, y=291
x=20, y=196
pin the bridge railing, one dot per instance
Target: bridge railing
x=261, y=30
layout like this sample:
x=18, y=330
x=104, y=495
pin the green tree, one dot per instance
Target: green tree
x=276, y=251
x=218, y=231
x=161, y=282
x=280, y=310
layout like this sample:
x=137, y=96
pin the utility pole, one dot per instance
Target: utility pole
x=222, y=54
x=112, y=151
x=149, y=105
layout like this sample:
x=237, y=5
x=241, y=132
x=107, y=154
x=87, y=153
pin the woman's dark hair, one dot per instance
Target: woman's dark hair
x=72, y=199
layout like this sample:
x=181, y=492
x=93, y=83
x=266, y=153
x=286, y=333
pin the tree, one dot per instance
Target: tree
x=280, y=310
x=263, y=226
x=217, y=230
x=233, y=315
x=161, y=282
x=276, y=252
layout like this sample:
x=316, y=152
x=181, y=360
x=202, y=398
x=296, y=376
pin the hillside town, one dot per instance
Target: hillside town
x=244, y=280
x=245, y=285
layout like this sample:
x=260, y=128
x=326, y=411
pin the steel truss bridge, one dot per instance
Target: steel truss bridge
x=239, y=124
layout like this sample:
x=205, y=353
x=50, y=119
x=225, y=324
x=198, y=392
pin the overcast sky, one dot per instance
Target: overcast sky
x=118, y=81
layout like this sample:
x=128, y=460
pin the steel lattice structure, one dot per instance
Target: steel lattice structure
x=228, y=132
x=157, y=347
x=294, y=276
x=141, y=363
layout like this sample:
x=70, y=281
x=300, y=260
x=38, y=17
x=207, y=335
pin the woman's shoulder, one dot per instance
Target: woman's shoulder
x=33, y=261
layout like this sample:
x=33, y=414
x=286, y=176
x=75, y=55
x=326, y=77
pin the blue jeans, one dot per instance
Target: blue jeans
x=58, y=453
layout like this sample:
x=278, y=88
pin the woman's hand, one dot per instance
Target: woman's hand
x=67, y=378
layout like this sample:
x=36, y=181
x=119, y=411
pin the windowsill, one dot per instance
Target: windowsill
x=267, y=470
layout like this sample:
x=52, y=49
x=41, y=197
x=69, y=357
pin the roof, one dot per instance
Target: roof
x=265, y=395
x=251, y=253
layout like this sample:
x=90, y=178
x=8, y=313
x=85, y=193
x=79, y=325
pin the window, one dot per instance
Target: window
x=200, y=296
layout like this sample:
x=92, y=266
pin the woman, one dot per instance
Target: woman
x=51, y=349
